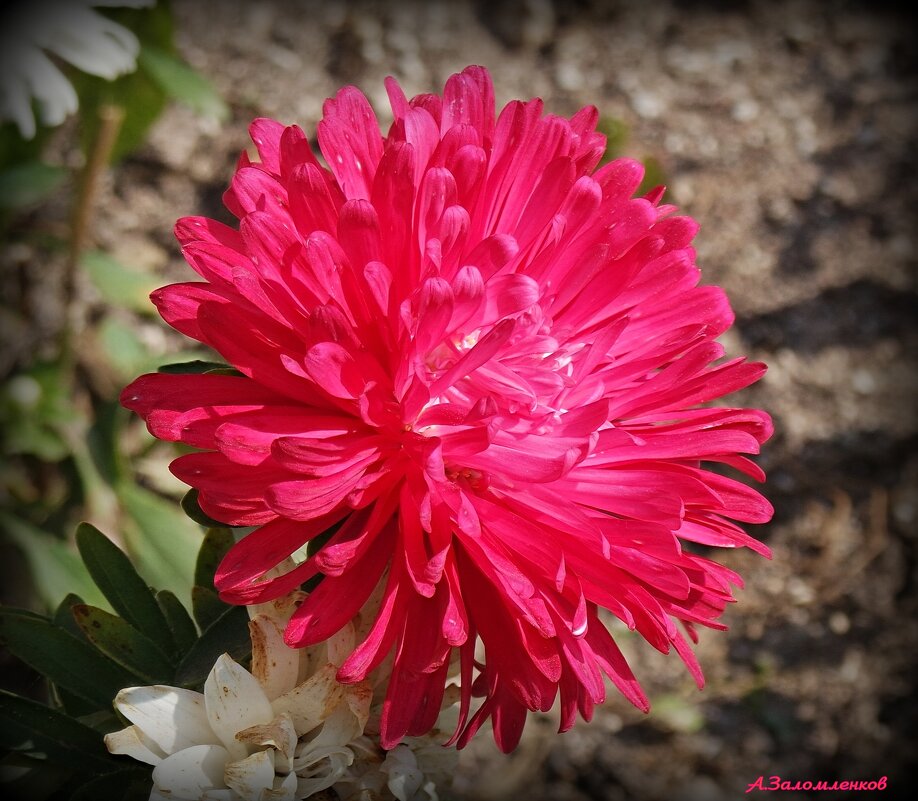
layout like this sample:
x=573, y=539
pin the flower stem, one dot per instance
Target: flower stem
x=110, y=119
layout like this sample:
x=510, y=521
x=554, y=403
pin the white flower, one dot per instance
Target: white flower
x=273, y=735
x=70, y=30
x=285, y=731
x=412, y=771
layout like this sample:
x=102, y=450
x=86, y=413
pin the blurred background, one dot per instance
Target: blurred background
x=787, y=129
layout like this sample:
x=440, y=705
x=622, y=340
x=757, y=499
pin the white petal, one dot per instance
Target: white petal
x=284, y=789
x=54, y=94
x=280, y=609
x=340, y=644
x=252, y=776
x=274, y=663
x=15, y=94
x=131, y=742
x=89, y=41
x=310, y=759
x=405, y=778
x=189, y=773
x=174, y=718
x=219, y=795
x=321, y=769
x=312, y=701
x=234, y=701
x=279, y=734
x=339, y=728
x=365, y=619
x=359, y=698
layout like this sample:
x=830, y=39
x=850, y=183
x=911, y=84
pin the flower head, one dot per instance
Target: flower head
x=482, y=364
x=70, y=30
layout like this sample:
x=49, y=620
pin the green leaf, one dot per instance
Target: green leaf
x=105, y=442
x=654, y=176
x=123, y=785
x=63, y=616
x=118, y=284
x=16, y=150
x=164, y=543
x=616, y=133
x=182, y=83
x=22, y=776
x=227, y=634
x=120, y=343
x=27, y=184
x=207, y=606
x=192, y=508
x=195, y=366
x=33, y=406
x=184, y=631
x=121, y=642
x=54, y=564
x=69, y=662
x=216, y=544
x=127, y=592
x=31, y=728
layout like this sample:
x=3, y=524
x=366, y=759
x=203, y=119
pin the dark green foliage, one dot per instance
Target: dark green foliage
x=88, y=654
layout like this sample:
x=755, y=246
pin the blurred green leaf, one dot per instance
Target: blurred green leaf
x=182, y=83
x=36, y=440
x=16, y=150
x=26, y=184
x=33, y=407
x=152, y=25
x=184, y=631
x=126, y=353
x=119, y=284
x=25, y=777
x=216, y=544
x=616, y=133
x=65, y=660
x=29, y=727
x=105, y=442
x=228, y=634
x=121, y=642
x=131, y=784
x=654, y=176
x=207, y=606
x=55, y=566
x=195, y=366
x=128, y=593
x=677, y=714
x=163, y=544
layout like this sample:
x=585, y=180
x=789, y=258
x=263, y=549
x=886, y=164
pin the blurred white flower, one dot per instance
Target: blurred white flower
x=69, y=29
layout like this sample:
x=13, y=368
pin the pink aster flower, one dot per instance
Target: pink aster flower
x=485, y=366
